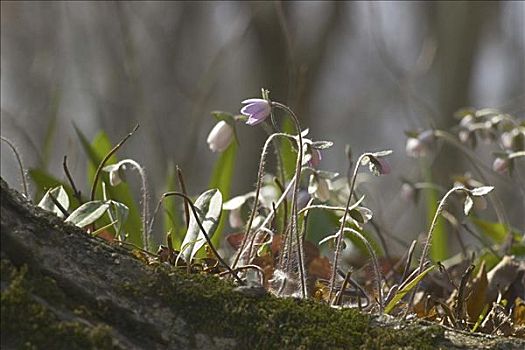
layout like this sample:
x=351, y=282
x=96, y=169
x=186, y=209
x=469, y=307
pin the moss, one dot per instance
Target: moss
x=212, y=307
x=28, y=322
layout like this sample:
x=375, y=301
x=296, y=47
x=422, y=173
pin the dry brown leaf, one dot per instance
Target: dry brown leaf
x=518, y=314
x=477, y=300
x=502, y=276
x=320, y=267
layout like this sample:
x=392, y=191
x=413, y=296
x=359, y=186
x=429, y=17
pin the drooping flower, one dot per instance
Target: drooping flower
x=420, y=145
x=220, y=136
x=315, y=158
x=256, y=109
x=116, y=172
x=319, y=187
x=500, y=165
x=384, y=167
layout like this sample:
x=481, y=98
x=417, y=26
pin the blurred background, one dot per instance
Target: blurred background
x=356, y=73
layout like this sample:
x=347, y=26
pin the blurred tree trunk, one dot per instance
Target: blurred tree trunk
x=457, y=27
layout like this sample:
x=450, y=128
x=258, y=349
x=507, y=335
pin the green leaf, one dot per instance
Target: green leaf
x=119, y=213
x=88, y=213
x=288, y=153
x=481, y=191
x=322, y=144
x=334, y=219
x=496, y=231
x=401, y=293
x=209, y=208
x=61, y=197
x=121, y=193
x=221, y=178
x=44, y=181
x=361, y=214
x=467, y=206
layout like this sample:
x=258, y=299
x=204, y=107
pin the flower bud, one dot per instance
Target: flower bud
x=415, y=148
x=114, y=177
x=235, y=218
x=220, y=136
x=500, y=165
x=408, y=192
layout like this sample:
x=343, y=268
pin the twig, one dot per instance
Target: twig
x=57, y=203
x=182, y=184
x=106, y=158
x=76, y=192
x=20, y=166
x=409, y=260
x=460, y=300
x=339, y=296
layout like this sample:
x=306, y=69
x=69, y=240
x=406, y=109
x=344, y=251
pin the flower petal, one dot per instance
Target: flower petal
x=254, y=120
x=254, y=100
x=252, y=109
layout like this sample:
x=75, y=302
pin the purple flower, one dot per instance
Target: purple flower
x=256, y=109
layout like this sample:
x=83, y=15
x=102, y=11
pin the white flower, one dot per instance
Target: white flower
x=235, y=218
x=319, y=187
x=220, y=136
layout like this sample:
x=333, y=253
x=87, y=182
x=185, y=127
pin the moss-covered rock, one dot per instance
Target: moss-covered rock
x=28, y=321
x=62, y=289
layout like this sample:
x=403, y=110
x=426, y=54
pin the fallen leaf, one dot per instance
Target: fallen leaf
x=477, y=300
x=502, y=276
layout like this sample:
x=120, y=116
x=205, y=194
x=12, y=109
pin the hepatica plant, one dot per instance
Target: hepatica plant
x=306, y=232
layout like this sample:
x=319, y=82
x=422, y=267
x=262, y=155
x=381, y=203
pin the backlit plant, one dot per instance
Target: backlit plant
x=283, y=249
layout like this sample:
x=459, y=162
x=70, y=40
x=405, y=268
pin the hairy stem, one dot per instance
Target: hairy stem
x=260, y=175
x=294, y=216
x=106, y=158
x=343, y=222
x=375, y=264
x=20, y=166
x=428, y=242
x=146, y=230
